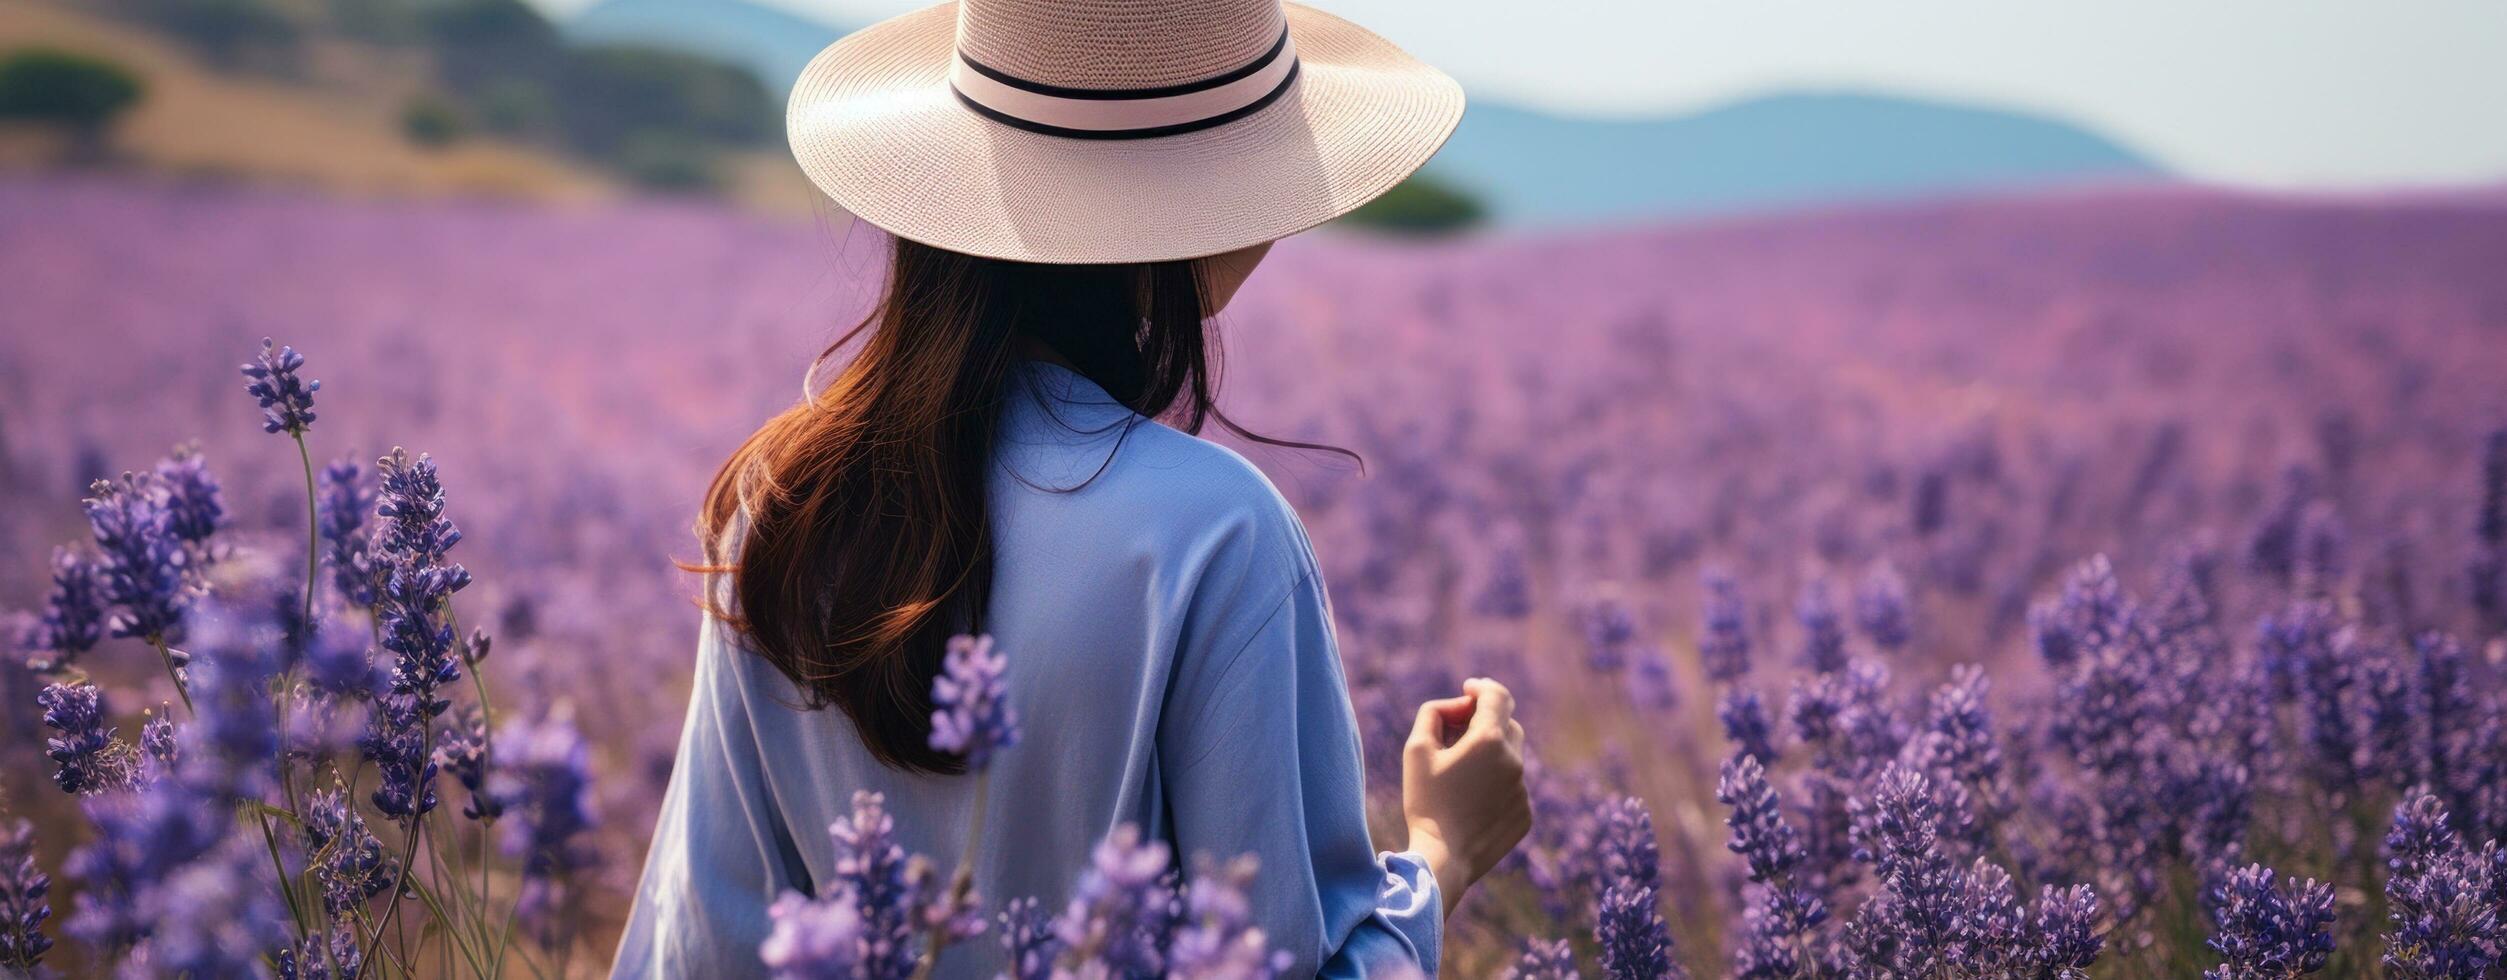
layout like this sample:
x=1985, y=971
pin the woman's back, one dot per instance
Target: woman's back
x=1172, y=667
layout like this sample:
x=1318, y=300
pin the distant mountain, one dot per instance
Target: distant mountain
x=770, y=42
x=1530, y=167
x=1771, y=152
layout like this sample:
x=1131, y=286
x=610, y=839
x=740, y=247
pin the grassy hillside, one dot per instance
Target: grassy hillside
x=338, y=130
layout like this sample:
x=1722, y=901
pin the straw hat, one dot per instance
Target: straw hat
x=1074, y=131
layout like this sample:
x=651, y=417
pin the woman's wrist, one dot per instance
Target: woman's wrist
x=1452, y=877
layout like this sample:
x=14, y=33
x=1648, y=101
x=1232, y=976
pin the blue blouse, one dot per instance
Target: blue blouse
x=1172, y=663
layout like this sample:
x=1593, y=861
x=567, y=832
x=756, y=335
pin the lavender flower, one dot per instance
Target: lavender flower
x=286, y=401
x=1962, y=729
x=1628, y=921
x=1544, y=960
x=144, y=563
x=395, y=740
x=1823, y=633
x=235, y=735
x=462, y=748
x=215, y=917
x=543, y=776
x=873, y=871
x=2440, y=898
x=1746, y=724
x=341, y=508
x=195, y=507
x=974, y=717
x=156, y=738
x=23, y=907
x=1781, y=909
x=348, y=861
x=330, y=954
x=142, y=840
x=1218, y=940
x=1124, y=910
x=1508, y=594
x=1650, y=684
x=1759, y=831
x=1028, y=940
x=2065, y=938
x=2266, y=930
x=1723, y=642
x=1882, y=611
x=84, y=751
x=411, y=539
x=813, y=940
x=73, y=619
x=1610, y=629
x=1914, y=926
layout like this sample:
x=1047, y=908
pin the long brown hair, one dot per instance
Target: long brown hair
x=860, y=512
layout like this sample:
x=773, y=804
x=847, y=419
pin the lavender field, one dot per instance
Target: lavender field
x=2020, y=588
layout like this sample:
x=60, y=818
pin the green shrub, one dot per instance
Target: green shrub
x=431, y=122
x=666, y=161
x=80, y=94
x=1421, y=205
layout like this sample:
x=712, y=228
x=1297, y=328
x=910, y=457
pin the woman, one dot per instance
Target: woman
x=1075, y=188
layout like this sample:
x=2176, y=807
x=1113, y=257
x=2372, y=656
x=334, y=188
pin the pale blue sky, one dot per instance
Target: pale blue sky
x=2269, y=93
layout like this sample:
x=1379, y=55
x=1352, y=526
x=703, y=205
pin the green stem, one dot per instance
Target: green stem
x=408, y=853
x=295, y=911
x=313, y=533
x=174, y=675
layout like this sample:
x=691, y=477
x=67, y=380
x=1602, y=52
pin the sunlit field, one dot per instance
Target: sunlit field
x=2110, y=583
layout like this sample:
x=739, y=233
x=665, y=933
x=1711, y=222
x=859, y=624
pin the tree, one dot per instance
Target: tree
x=80, y=94
x=1421, y=205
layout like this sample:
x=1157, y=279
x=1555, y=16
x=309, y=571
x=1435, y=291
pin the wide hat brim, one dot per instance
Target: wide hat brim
x=876, y=126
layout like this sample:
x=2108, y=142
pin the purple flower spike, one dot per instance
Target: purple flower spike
x=195, y=507
x=1508, y=594
x=543, y=776
x=462, y=748
x=872, y=870
x=1823, y=634
x=1124, y=910
x=145, y=565
x=812, y=940
x=2441, y=898
x=349, y=861
x=2065, y=938
x=23, y=907
x=1723, y=642
x=84, y=749
x=1759, y=831
x=1628, y=921
x=1610, y=630
x=73, y=620
x=1746, y=723
x=974, y=717
x=1219, y=940
x=341, y=508
x=286, y=400
x=1882, y=610
x=1028, y=940
x=2273, y=930
x=1551, y=959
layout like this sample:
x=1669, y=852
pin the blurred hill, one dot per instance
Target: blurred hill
x=1524, y=166
x=1772, y=152
x=344, y=135
x=771, y=43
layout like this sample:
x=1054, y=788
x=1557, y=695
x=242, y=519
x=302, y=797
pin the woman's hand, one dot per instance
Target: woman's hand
x=1462, y=785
